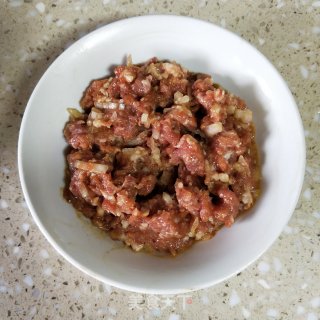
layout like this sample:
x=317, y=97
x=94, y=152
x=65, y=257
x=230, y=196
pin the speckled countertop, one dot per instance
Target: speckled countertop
x=37, y=283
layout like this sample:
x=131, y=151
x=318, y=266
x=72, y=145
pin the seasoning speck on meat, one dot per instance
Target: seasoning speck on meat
x=161, y=156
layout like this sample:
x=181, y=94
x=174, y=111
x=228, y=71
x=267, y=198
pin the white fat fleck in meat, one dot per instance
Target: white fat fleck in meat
x=213, y=129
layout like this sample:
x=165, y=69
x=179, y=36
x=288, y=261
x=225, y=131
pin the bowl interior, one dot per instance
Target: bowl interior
x=199, y=46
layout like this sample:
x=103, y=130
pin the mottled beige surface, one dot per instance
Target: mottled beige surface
x=37, y=283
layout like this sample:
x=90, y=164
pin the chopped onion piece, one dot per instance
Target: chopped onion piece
x=107, y=105
x=166, y=197
x=213, y=129
x=173, y=69
x=74, y=113
x=101, y=123
x=179, y=98
x=129, y=60
x=91, y=166
x=125, y=224
x=136, y=247
x=247, y=198
x=129, y=76
x=231, y=109
x=144, y=118
x=95, y=114
x=143, y=226
x=100, y=211
x=194, y=226
x=244, y=116
x=83, y=191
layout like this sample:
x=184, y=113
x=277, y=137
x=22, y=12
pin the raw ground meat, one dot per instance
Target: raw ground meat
x=161, y=157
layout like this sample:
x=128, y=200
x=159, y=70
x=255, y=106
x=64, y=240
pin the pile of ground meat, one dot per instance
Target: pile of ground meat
x=160, y=156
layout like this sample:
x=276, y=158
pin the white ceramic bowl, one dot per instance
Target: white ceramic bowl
x=199, y=46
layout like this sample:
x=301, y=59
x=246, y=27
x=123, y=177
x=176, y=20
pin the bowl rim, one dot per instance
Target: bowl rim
x=109, y=280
